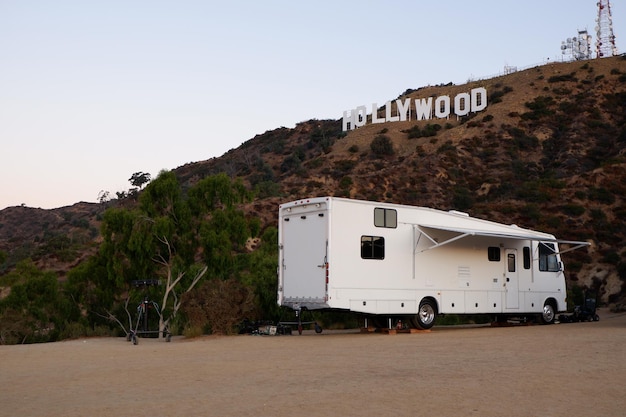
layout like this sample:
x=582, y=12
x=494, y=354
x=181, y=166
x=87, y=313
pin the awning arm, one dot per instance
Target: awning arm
x=416, y=228
x=577, y=245
x=436, y=244
x=465, y=233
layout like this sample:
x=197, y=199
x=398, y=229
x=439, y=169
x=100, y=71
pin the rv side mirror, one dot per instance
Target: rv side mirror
x=560, y=266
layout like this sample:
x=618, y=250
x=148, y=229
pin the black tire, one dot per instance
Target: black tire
x=426, y=315
x=549, y=313
x=596, y=318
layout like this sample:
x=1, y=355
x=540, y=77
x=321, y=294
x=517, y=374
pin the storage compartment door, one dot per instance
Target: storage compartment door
x=304, y=258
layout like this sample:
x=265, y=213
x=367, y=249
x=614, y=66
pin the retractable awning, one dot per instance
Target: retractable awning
x=512, y=232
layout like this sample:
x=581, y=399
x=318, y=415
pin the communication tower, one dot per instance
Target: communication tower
x=579, y=47
x=605, y=41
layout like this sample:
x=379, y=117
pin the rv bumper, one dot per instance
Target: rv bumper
x=305, y=303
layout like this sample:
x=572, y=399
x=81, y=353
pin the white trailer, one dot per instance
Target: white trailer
x=389, y=260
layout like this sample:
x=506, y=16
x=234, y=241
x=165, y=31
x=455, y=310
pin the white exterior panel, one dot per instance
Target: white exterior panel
x=325, y=243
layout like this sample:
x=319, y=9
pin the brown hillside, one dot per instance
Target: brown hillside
x=547, y=153
x=57, y=239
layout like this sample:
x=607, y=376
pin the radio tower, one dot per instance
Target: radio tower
x=605, y=43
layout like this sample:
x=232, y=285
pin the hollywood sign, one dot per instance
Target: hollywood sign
x=464, y=103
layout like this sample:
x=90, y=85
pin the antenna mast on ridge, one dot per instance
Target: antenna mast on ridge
x=605, y=43
x=578, y=47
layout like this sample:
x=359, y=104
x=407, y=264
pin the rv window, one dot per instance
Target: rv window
x=547, y=258
x=526, y=257
x=493, y=253
x=511, y=262
x=372, y=247
x=385, y=218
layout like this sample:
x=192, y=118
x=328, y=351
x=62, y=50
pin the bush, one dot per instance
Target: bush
x=563, y=78
x=462, y=199
x=539, y=107
x=431, y=129
x=267, y=189
x=291, y=163
x=36, y=309
x=601, y=195
x=446, y=147
x=345, y=182
x=428, y=131
x=344, y=166
x=381, y=145
x=573, y=210
x=523, y=141
x=219, y=305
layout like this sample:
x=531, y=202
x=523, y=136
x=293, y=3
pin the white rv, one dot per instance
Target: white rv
x=390, y=260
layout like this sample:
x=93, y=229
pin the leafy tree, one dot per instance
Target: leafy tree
x=103, y=196
x=89, y=286
x=176, y=237
x=36, y=309
x=260, y=273
x=139, y=179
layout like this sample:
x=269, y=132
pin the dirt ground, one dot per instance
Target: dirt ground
x=575, y=369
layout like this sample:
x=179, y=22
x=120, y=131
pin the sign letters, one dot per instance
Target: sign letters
x=425, y=108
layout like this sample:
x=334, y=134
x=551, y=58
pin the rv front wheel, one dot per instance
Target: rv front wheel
x=425, y=317
x=548, y=314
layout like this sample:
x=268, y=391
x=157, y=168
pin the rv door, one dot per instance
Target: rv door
x=511, y=279
x=304, y=257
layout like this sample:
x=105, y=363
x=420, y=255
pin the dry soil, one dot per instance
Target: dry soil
x=575, y=369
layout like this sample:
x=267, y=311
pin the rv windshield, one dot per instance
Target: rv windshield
x=547, y=257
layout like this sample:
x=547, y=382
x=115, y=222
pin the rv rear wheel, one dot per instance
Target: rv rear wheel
x=425, y=317
x=548, y=314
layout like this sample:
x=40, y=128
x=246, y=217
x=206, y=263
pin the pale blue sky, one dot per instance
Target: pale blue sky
x=93, y=91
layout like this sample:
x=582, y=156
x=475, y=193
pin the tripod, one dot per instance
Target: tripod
x=142, y=313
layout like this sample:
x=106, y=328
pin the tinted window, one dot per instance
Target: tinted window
x=511, y=262
x=547, y=257
x=493, y=253
x=372, y=247
x=526, y=257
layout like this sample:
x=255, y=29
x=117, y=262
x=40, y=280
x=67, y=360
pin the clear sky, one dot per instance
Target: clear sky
x=93, y=91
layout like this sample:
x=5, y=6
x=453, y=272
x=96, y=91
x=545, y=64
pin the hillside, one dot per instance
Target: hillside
x=547, y=153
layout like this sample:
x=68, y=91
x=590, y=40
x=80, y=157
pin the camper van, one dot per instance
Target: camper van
x=414, y=263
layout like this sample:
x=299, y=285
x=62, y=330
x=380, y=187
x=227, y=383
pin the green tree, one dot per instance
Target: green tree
x=260, y=273
x=36, y=309
x=176, y=237
x=139, y=179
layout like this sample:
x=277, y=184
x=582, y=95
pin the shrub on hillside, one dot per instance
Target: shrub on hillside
x=219, y=305
x=539, y=107
x=381, y=145
x=563, y=78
